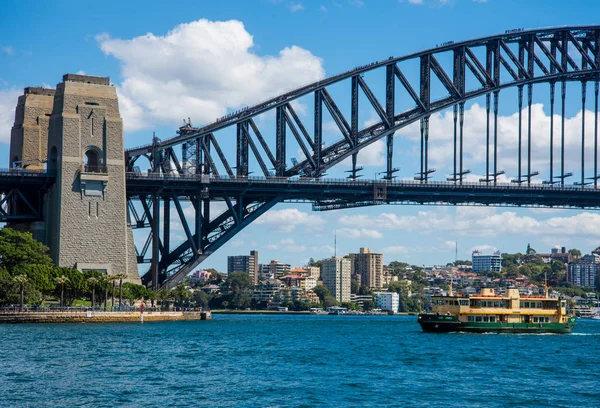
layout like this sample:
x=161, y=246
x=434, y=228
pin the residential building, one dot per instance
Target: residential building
x=389, y=301
x=199, y=276
x=369, y=266
x=486, y=263
x=303, y=282
x=336, y=277
x=266, y=290
x=583, y=274
x=275, y=269
x=388, y=276
x=244, y=263
x=314, y=271
x=360, y=299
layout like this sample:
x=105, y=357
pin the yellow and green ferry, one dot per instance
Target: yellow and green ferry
x=488, y=312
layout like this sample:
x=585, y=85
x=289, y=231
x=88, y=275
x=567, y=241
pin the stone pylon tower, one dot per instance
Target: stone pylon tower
x=86, y=210
x=29, y=135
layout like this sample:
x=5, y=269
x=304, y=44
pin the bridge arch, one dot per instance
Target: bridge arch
x=483, y=67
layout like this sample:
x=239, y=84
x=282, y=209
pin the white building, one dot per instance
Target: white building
x=387, y=301
x=336, y=277
x=486, y=263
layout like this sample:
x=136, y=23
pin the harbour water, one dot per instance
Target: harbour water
x=299, y=361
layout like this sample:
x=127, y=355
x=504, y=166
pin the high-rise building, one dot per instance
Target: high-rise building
x=583, y=273
x=244, y=263
x=369, y=266
x=274, y=269
x=336, y=277
x=487, y=263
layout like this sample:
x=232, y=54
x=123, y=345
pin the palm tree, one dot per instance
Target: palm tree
x=161, y=296
x=105, y=280
x=61, y=280
x=120, y=277
x=93, y=281
x=21, y=280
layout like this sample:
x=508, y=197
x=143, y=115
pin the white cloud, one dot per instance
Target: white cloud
x=80, y=72
x=237, y=243
x=441, y=139
x=354, y=233
x=486, y=249
x=8, y=102
x=296, y=7
x=8, y=50
x=286, y=245
x=479, y=221
x=288, y=219
x=323, y=9
x=199, y=70
x=395, y=249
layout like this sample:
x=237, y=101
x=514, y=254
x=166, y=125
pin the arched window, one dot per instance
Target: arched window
x=92, y=162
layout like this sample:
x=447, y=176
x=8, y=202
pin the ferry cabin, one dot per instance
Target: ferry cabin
x=487, y=307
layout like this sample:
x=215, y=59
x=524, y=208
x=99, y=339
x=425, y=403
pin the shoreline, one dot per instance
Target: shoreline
x=303, y=312
x=99, y=317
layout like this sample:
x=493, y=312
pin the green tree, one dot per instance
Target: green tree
x=400, y=287
x=41, y=276
x=92, y=282
x=21, y=280
x=575, y=253
x=363, y=290
x=322, y=292
x=201, y=298
x=354, y=286
x=18, y=249
x=367, y=305
x=120, y=277
x=329, y=301
x=61, y=280
x=181, y=294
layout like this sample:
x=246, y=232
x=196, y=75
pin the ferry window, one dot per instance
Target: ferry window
x=486, y=319
x=535, y=319
x=471, y=318
x=563, y=303
x=492, y=319
x=464, y=303
x=496, y=304
x=538, y=305
x=478, y=318
x=522, y=304
x=547, y=319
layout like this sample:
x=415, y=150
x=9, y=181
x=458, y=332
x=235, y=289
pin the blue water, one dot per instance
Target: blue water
x=300, y=361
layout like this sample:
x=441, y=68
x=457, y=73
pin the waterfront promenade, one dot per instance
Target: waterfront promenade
x=81, y=315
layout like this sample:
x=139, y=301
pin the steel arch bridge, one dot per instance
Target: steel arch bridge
x=462, y=71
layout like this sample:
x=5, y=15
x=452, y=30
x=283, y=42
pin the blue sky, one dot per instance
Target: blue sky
x=201, y=59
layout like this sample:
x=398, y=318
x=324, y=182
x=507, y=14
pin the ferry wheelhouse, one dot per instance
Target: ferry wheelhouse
x=488, y=312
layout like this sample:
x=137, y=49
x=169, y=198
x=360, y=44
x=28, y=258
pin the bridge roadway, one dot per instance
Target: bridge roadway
x=329, y=194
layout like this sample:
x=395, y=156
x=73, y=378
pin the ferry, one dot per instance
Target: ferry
x=488, y=312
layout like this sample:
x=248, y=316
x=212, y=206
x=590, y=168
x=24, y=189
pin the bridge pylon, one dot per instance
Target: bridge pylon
x=85, y=220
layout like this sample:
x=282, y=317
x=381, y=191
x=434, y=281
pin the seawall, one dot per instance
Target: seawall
x=98, y=317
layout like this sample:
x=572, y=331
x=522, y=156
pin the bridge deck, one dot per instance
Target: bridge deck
x=341, y=193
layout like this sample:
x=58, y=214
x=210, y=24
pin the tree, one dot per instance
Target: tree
x=21, y=280
x=354, y=286
x=401, y=287
x=322, y=292
x=120, y=277
x=18, y=249
x=61, y=280
x=92, y=281
x=329, y=301
x=363, y=290
x=367, y=305
x=201, y=298
x=575, y=253
x=105, y=283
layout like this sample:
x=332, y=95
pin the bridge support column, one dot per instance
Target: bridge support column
x=87, y=224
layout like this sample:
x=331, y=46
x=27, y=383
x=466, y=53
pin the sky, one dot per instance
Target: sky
x=203, y=59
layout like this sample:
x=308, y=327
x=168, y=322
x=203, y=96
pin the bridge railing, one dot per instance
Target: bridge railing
x=342, y=181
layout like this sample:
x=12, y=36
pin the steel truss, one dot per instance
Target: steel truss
x=519, y=58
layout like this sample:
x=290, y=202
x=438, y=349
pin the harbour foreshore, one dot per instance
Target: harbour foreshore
x=95, y=316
